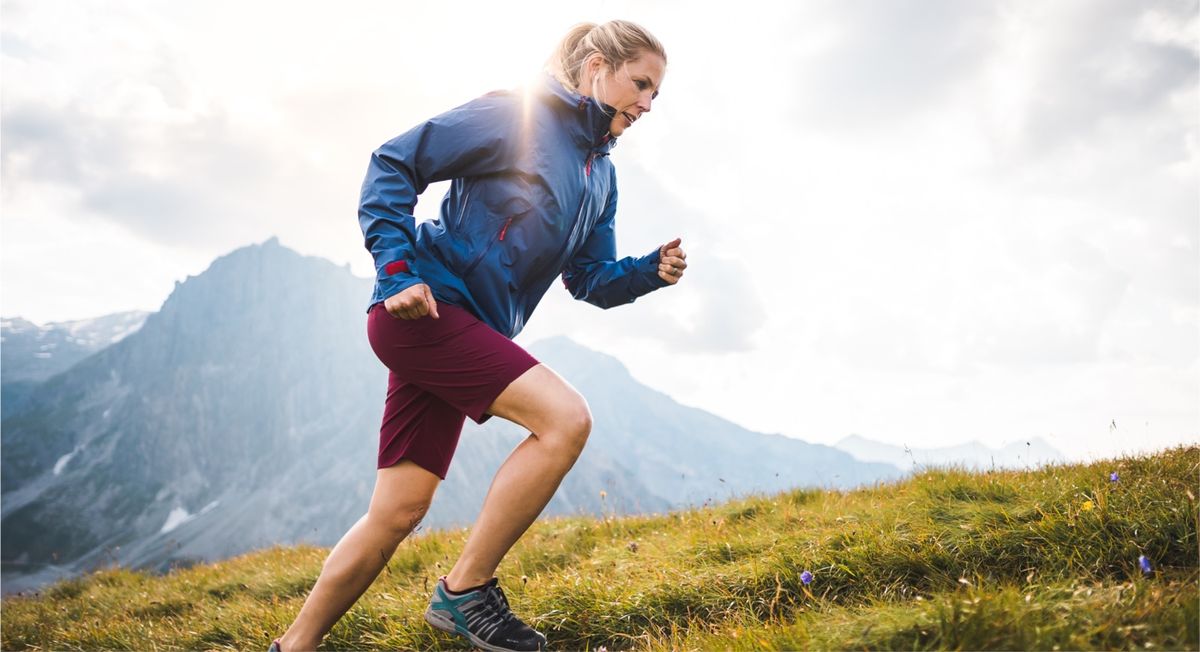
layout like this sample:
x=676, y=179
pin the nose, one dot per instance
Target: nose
x=644, y=100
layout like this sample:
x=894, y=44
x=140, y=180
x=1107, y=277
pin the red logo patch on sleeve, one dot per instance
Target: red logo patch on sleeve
x=395, y=267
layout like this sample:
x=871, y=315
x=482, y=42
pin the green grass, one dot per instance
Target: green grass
x=1040, y=559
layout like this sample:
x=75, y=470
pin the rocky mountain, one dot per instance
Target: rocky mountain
x=29, y=353
x=1026, y=453
x=245, y=413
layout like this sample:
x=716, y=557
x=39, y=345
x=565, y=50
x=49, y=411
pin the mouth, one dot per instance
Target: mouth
x=628, y=118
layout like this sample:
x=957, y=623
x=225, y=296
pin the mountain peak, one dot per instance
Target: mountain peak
x=263, y=272
x=271, y=247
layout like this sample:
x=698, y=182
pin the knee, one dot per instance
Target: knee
x=402, y=519
x=572, y=426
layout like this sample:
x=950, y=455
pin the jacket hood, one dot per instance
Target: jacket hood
x=592, y=116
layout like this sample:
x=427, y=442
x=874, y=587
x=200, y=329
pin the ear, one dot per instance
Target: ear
x=594, y=64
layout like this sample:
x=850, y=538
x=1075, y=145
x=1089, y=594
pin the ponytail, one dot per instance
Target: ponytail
x=617, y=41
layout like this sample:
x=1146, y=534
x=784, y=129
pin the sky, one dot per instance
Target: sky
x=920, y=222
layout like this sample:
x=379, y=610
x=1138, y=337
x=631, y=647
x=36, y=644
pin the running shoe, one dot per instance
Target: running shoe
x=483, y=617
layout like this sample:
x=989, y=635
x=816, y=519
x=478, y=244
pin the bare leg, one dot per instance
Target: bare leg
x=558, y=417
x=401, y=497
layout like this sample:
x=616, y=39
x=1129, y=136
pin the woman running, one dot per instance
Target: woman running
x=533, y=197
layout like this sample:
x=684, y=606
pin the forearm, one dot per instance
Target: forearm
x=385, y=216
x=615, y=283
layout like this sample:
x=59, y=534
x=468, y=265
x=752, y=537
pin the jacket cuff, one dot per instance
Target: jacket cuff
x=395, y=284
x=648, y=279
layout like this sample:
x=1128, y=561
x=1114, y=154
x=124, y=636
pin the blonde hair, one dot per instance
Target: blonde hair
x=617, y=41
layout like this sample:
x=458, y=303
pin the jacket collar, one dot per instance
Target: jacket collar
x=592, y=118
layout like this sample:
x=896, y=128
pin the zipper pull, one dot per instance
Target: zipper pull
x=505, y=229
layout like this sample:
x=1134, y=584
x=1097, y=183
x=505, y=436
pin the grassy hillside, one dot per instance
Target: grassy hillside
x=1043, y=559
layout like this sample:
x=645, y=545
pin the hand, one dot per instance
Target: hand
x=671, y=262
x=412, y=302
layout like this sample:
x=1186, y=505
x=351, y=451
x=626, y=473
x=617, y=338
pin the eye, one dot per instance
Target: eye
x=642, y=84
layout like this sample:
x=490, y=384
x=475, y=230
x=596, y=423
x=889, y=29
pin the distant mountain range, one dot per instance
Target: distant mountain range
x=1027, y=453
x=29, y=353
x=245, y=413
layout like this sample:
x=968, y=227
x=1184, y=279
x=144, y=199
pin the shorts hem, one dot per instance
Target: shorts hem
x=479, y=413
x=432, y=468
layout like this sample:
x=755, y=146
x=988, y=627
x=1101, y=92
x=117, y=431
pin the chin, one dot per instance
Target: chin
x=616, y=130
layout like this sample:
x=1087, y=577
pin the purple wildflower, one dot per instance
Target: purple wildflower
x=1144, y=563
x=806, y=577
x=1113, y=477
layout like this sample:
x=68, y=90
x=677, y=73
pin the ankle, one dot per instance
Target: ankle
x=465, y=583
x=296, y=644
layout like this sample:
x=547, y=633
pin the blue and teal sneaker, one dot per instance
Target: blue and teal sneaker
x=482, y=616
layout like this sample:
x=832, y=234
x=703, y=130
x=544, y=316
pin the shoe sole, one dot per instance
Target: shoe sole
x=447, y=625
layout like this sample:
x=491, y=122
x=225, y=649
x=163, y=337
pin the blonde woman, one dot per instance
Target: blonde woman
x=533, y=198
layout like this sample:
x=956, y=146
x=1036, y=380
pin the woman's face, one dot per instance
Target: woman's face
x=629, y=89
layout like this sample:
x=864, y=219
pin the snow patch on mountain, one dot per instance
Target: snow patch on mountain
x=179, y=516
x=62, y=461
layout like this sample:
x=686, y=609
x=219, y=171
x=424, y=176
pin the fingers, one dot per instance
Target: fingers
x=408, y=311
x=417, y=310
x=412, y=303
x=672, y=249
x=394, y=309
x=416, y=307
x=672, y=260
x=670, y=269
x=431, y=301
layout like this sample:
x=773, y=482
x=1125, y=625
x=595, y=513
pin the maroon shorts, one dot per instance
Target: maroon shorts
x=441, y=371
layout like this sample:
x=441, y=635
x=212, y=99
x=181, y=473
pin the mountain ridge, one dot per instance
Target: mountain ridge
x=1026, y=452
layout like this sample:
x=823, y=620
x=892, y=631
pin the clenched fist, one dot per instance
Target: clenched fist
x=412, y=302
x=671, y=261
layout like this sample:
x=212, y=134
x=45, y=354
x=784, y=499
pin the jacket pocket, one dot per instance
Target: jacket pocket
x=497, y=236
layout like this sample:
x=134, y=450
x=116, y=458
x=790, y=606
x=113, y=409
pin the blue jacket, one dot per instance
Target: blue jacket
x=534, y=195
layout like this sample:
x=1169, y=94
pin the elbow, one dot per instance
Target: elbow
x=604, y=300
x=593, y=289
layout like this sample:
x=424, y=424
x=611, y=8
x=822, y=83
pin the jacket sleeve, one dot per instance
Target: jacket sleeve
x=474, y=139
x=594, y=275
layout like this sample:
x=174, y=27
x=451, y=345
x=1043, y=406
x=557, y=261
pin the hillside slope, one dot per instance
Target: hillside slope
x=1042, y=559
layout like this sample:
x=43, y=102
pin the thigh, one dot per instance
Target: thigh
x=541, y=400
x=457, y=358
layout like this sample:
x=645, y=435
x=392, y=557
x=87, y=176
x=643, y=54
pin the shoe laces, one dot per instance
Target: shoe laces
x=500, y=602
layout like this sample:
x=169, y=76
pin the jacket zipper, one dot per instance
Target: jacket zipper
x=499, y=238
x=463, y=210
x=587, y=174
